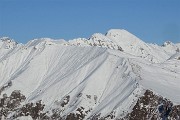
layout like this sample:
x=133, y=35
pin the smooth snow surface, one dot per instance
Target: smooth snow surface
x=94, y=72
x=24, y=118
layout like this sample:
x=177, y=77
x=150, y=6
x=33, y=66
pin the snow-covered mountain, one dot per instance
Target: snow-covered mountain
x=104, y=77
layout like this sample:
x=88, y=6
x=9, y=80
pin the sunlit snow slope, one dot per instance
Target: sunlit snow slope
x=103, y=75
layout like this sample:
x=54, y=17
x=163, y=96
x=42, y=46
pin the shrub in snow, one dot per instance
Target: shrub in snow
x=9, y=84
x=120, y=49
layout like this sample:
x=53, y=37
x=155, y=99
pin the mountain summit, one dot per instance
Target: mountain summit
x=112, y=76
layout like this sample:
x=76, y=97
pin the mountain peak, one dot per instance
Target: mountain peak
x=7, y=39
x=7, y=42
x=123, y=36
x=118, y=32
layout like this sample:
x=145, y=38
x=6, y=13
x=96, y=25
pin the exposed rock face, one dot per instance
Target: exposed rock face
x=11, y=107
x=147, y=107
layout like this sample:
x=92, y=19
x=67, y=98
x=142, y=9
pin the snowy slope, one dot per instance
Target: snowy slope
x=71, y=71
x=163, y=78
x=96, y=77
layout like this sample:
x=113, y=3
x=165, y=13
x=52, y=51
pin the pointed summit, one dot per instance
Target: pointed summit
x=122, y=35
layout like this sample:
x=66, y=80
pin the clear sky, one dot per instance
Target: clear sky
x=153, y=21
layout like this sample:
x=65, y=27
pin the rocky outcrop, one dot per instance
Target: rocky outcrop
x=147, y=108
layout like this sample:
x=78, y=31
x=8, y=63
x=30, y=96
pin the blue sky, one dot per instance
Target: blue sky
x=153, y=21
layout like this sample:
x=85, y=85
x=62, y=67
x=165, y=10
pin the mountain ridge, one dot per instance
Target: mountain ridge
x=115, y=39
